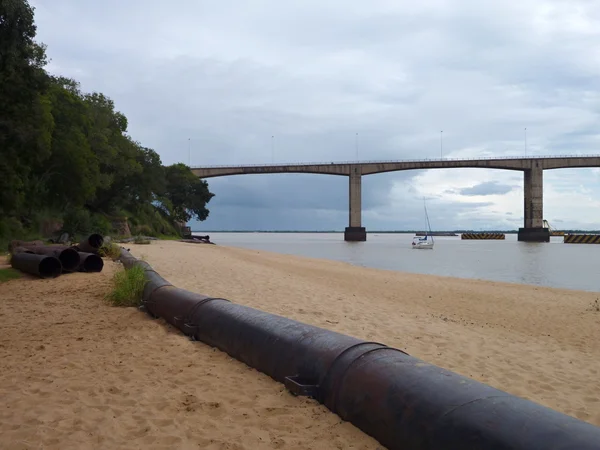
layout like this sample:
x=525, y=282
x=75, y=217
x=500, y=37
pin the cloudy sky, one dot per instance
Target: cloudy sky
x=330, y=79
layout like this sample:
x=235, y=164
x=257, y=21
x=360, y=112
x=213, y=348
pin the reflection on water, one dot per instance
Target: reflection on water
x=553, y=264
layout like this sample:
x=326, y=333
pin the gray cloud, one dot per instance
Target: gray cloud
x=230, y=75
x=487, y=188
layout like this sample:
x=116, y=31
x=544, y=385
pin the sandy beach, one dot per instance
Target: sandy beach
x=77, y=373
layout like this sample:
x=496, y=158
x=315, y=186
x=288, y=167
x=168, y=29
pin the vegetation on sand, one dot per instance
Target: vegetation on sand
x=68, y=163
x=9, y=274
x=128, y=286
x=110, y=250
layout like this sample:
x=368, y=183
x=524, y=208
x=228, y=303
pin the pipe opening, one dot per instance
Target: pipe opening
x=95, y=240
x=50, y=267
x=91, y=263
x=69, y=258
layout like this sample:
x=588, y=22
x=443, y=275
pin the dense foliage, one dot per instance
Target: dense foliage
x=65, y=155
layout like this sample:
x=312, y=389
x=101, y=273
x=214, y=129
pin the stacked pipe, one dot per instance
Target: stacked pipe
x=403, y=402
x=91, y=244
x=43, y=266
x=47, y=261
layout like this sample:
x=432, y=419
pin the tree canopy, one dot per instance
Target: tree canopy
x=66, y=154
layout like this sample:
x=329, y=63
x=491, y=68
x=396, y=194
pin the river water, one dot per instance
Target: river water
x=554, y=264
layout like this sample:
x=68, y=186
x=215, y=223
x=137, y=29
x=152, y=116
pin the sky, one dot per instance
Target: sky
x=262, y=81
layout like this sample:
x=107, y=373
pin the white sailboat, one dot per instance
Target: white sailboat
x=425, y=242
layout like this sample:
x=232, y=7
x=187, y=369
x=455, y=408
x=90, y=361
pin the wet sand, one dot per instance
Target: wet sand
x=77, y=373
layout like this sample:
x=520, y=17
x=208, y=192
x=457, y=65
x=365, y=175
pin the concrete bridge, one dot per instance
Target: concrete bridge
x=532, y=167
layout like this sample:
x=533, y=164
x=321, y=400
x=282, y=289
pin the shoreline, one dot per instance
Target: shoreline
x=411, y=274
x=510, y=336
x=553, y=265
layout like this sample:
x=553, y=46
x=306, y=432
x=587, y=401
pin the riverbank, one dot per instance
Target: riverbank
x=539, y=343
x=77, y=373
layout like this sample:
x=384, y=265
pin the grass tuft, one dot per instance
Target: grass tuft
x=128, y=286
x=9, y=274
x=141, y=240
x=110, y=250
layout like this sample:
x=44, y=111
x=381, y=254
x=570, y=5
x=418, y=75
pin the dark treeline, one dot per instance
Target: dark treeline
x=65, y=155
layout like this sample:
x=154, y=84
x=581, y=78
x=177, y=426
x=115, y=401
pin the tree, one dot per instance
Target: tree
x=25, y=121
x=187, y=194
x=117, y=153
x=66, y=155
x=72, y=168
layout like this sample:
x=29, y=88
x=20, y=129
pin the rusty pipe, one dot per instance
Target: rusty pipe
x=67, y=255
x=91, y=244
x=401, y=401
x=44, y=266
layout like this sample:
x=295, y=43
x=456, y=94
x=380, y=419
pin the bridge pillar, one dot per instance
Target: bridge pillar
x=355, y=232
x=534, y=230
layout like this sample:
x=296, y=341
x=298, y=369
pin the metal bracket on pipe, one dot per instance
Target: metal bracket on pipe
x=189, y=329
x=301, y=387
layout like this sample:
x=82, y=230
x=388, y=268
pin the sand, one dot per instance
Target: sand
x=76, y=373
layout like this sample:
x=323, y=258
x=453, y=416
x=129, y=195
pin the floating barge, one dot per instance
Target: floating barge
x=581, y=239
x=483, y=236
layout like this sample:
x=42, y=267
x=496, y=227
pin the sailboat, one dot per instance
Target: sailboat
x=425, y=242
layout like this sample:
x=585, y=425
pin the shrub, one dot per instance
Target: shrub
x=144, y=230
x=110, y=250
x=101, y=225
x=128, y=286
x=77, y=222
x=140, y=240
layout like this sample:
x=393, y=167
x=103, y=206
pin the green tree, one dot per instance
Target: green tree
x=117, y=153
x=186, y=194
x=73, y=173
x=67, y=155
x=25, y=121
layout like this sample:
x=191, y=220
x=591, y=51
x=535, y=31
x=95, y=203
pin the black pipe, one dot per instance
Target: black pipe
x=43, y=266
x=67, y=255
x=21, y=250
x=18, y=243
x=90, y=262
x=91, y=244
x=403, y=402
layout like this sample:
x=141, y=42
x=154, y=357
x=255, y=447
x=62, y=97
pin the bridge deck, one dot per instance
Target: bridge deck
x=521, y=163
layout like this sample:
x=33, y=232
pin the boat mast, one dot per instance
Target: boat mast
x=427, y=216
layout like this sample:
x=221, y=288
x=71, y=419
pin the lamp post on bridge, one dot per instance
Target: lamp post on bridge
x=356, y=146
x=441, y=144
x=525, y=141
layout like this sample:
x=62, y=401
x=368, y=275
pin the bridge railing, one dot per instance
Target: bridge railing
x=481, y=158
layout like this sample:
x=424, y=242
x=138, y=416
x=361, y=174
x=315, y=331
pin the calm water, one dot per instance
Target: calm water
x=553, y=264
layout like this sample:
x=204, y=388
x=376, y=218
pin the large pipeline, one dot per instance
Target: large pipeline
x=43, y=266
x=403, y=402
x=68, y=256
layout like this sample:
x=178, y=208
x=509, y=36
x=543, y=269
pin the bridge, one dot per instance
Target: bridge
x=533, y=229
